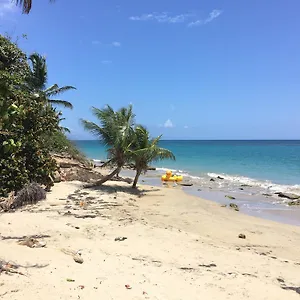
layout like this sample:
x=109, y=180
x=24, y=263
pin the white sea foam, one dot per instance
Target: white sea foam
x=266, y=184
x=236, y=181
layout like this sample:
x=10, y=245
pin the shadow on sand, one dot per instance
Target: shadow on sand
x=112, y=188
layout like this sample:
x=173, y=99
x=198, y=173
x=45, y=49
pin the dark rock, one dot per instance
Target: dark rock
x=151, y=169
x=242, y=236
x=288, y=195
x=212, y=179
x=186, y=184
x=292, y=203
x=241, y=189
x=120, y=238
x=267, y=195
x=199, y=190
x=292, y=288
x=208, y=265
x=246, y=185
x=229, y=197
x=219, y=177
x=234, y=206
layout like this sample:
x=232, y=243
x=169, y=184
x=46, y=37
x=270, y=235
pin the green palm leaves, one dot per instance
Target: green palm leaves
x=126, y=142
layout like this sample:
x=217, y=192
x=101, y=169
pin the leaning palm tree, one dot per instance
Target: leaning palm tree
x=38, y=81
x=26, y=5
x=115, y=131
x=145, y=150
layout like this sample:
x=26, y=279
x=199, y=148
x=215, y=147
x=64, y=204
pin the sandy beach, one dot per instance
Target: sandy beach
x=153, y=243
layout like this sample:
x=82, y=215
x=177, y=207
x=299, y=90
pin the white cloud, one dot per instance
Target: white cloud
x=116, y=44
x=212, y=15
x=106, y=62
x=6, y=7
x=185, y=127
x=161, y=18
x=168, y=124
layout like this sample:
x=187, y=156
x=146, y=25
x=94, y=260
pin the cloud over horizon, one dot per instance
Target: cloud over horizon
x=168, y=124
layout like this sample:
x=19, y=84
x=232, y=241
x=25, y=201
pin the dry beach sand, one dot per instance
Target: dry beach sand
x=177, y=247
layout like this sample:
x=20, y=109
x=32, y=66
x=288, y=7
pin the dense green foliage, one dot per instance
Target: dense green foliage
x=25, y=124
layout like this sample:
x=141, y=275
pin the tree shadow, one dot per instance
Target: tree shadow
x=111, y=189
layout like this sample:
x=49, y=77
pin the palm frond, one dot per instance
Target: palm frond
x=55, y=90
x=39, y=72
x=26, y=5
x=64, y=103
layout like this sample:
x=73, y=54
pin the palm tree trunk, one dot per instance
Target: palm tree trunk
x=136, y=178
x=105, y=178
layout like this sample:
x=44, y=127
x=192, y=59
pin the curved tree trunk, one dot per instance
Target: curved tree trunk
x=136, y=178
x=105, y=178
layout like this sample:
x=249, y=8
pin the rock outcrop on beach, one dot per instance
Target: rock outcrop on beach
x=288, y=196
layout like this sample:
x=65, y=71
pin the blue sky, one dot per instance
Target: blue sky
x=192, y=69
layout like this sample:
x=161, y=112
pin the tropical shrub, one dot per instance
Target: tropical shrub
x=25, y=124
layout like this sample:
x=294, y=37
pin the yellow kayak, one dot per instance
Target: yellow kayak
x=169, y=177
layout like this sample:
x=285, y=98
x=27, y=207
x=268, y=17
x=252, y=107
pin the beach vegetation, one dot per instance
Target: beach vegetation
x=26, y=123
x=126, y=142
x=145, y=150
x=38, y=83
x=115, y=131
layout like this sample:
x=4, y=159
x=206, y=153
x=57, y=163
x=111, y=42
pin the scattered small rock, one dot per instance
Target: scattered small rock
x=120, y=239
x=241, y=189
x=246, y=185
x=212, y=179
x=267, y=195
x=186, y=184
x=199, y=190
x=292, y=203
x=77, y=258
x=224, y=205
x=234, y=206
x=230, y=197
x=208, y=265
x=242, y=236
x=219, y=177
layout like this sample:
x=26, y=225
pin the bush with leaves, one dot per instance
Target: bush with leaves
x=25, y=125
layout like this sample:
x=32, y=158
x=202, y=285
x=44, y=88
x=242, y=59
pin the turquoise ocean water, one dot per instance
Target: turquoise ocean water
x=277, y=161
x=252, y=172
x=269, y=164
